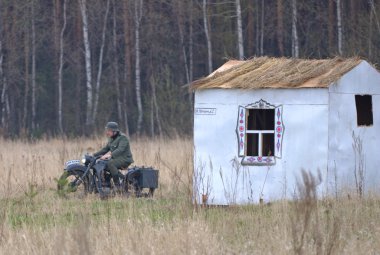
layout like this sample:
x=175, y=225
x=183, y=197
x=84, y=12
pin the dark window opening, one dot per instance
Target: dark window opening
x=268, y=145
x=252, y=144
x=260, y=119
x=364, y=110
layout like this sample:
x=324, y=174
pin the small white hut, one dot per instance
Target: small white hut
x=257, y=123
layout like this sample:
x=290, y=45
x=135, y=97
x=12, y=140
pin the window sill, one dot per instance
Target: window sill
x=258, y=161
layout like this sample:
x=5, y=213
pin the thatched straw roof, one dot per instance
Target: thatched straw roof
x=265, y=72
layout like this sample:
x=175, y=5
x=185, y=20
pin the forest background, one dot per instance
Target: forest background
x=69, y=66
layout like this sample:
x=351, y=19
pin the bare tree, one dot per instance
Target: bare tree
x=5, y=111
x=155, y=107
x=239, y=30
x=280, y=27
x=116, y=69
x=180, y=24
x=128, y=61
x=34, y=89
x=339, y=25
x=1, y=65
x=26, y=78
x=100, y=63
x=138, y=16
x=191, y=56
x=127, y=41
x=370, y=35
x=257, y=49
x=330, y=24
x=207, y=34
x=295, y=47
x=87, y=54
x=77, y=38
x=3, y=83
x=262, y=29
x=60, y=69
x=354, y=10
x=250, y=28
x=374, y=13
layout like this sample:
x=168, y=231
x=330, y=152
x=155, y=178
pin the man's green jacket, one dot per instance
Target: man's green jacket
x=119, y=147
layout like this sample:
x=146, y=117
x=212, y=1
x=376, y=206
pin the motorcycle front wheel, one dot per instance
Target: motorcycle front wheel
x=72, y=185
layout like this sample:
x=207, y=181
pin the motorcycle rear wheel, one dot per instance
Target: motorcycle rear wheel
x=132, y=188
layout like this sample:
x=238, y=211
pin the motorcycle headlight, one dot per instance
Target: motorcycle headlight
x=84, y=160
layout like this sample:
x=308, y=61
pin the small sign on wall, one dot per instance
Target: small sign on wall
x=205, y=111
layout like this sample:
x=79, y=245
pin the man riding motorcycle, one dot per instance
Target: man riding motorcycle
x=117, y=152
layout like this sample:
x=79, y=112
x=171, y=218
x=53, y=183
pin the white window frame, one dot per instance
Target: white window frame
x=242, y=132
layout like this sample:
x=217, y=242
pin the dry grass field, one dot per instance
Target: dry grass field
x=35, y=220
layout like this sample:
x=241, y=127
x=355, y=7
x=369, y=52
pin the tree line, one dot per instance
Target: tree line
x=69, y=66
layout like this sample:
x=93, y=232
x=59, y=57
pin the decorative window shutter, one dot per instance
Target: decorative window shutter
x=279, y=131
x=240, y=130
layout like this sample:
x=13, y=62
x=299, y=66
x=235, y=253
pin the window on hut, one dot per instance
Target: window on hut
x=364, y=113
x=260, y=132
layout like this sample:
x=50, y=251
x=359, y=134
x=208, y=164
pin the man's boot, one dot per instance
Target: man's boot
x=117, y=184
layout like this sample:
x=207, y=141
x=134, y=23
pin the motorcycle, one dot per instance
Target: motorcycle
x=89, y=175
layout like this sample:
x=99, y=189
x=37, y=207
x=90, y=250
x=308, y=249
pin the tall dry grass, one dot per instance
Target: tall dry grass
x=39, y=163
x=35, y=220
